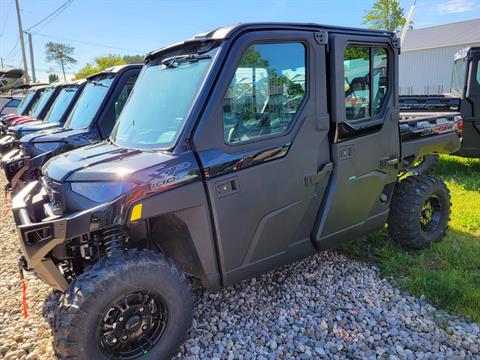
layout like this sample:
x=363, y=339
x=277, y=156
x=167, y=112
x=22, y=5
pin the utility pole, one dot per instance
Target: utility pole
x=22, y=43
x=32, y=63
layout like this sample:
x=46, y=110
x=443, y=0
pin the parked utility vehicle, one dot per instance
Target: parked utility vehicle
x=239, y=150
x=55, y=117
x=23, y=109
x=463, y=99
x=90, y=120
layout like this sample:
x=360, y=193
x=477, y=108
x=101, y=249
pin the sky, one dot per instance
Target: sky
x=102, y=27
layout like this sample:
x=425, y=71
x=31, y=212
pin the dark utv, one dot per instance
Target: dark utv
x=90, y=120
x=55, y=115
x=463, y=101
x=239, y=150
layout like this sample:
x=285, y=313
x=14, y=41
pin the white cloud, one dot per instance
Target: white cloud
x=455, y=6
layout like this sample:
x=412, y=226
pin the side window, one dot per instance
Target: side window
x=123, y=96
x=477, y=76
x=365, y=82
x=357, y=82
x=265, y=92
x=13, y=103
x=380, y=78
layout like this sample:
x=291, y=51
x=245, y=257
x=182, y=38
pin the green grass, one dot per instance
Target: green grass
x=447, y=273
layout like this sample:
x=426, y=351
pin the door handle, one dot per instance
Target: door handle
x=391, y=161
x=227, y=187
x=312, y=179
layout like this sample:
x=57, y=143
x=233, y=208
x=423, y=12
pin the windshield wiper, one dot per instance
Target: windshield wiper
x=97, y=83
x=174, y=61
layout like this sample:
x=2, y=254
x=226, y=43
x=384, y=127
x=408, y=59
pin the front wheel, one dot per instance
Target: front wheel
x=419, y=211
x=134, y=304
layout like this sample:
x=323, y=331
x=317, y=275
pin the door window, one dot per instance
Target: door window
x=265, y=92
x=357, y=82
x=365, y=82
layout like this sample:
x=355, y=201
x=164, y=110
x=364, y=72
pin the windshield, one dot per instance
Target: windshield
x=88, y=103
x=42, y=101
x=26, y=100
x=161, y=101
x=459, y=76
x=60, y=104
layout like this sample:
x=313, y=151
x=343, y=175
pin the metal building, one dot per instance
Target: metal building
x=427, y=55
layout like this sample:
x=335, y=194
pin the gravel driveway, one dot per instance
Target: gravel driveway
x=326, y=306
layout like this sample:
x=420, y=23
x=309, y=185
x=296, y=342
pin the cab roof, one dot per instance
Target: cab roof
x=115, y=70
x=226, y=32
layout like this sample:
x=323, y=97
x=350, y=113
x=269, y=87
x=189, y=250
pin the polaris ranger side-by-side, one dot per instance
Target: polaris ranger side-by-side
x=90, y=120
x=55, y=117
x=29, y=100
x=239, y=150
x=463, y=99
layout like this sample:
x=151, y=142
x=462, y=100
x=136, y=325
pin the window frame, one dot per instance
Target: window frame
x=306, y=47
x=374, y=119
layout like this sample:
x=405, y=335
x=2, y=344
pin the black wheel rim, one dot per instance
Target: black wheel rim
x=431, y=214
x=133, y=325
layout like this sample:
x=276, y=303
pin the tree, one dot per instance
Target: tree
x=62, y=54
x=106, y=61
x=52, y=78
x=385, y=15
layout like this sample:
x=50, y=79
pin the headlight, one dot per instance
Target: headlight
x=46, y=146
x=101, y=192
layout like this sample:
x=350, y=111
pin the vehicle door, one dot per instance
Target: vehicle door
x=471, y=119
x=263, y=146
x=366, y=144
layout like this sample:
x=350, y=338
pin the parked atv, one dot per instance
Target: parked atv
x=91, y=120
x=57, y=113
x=463, y=103
x=239, y=150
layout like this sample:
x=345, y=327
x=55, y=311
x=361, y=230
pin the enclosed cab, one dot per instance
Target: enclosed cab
x=90, y=120
x=239, y=150
x=55, y=117
x=29, y=100
x=9, y=104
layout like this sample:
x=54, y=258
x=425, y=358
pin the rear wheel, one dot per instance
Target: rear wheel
x=419, y=211
x=134, y=304
x=423, y=165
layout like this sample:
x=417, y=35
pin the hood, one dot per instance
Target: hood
x=22, y=120
x=59, y=135
x=27, y=126
x=109, y=162
x=7, y=119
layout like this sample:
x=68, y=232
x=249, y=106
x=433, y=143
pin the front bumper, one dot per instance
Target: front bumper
x=7, y=143
x=15, y=164
x=40, y=231
x=20, y=169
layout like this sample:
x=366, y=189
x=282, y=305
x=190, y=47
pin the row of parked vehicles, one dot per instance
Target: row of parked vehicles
x=237, y=151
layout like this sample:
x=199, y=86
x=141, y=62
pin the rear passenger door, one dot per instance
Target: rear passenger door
x=263, y=147
x=366, y=141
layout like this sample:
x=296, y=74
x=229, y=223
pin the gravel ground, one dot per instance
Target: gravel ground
x=326, y=306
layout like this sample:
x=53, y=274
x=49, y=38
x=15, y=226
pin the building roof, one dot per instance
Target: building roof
x=454, y=34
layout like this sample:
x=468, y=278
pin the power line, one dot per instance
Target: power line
x=56, y=12
x=88, y=43
x=6, y=18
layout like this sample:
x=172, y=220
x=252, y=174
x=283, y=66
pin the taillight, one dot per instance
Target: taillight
x=459, y=123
